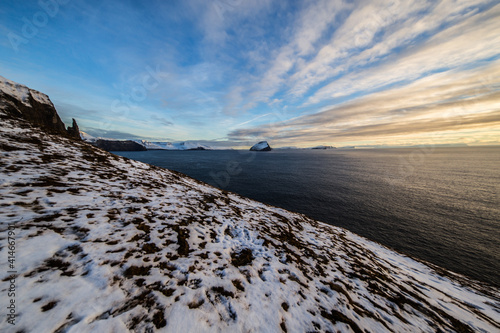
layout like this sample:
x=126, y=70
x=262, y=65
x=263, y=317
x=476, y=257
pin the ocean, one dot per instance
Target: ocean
x=440, y=205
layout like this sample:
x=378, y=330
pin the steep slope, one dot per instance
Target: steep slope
x=103, y=244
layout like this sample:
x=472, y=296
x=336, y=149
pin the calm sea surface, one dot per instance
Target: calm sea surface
x=441, y=205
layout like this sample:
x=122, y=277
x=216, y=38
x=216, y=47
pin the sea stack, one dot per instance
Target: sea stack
x=261, y=146
x=74, y=131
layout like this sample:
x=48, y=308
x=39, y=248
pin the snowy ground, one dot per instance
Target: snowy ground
x=106, y=244
x=185, y=145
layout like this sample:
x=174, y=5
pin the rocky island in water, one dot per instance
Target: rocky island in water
x=261, y=146
x=108, y=244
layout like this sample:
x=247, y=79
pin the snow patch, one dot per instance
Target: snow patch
x=21, y=92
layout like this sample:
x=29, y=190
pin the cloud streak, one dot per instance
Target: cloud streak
x=448, y=49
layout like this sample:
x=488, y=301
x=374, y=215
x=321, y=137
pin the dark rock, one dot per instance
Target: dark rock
x=242, y=258
x=117, y=145
x=323, y=147
x=39, y=114
x=74, y=131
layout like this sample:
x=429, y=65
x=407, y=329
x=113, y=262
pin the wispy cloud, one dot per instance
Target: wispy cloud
x=161, y=120
x=371, y=33
x=110, y=134
x=311, y=25
x=460, y=45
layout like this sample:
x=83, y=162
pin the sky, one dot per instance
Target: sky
x=232, y=72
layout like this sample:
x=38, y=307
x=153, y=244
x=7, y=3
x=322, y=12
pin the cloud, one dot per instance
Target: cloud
x=448, y=49
x=67, y=111
x=430, y=108
x=358, y=32
x=118, y=135
x=163, y=121
x=339, y=48
x=218, y=16
x=312, y=23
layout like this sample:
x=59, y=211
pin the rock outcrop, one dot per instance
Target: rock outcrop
x=73, y=130
x=117, y=145
x=19, y=101
x=261, y=146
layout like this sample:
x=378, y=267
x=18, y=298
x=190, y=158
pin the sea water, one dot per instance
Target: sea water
x=436, y=204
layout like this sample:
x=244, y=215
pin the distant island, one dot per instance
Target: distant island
x=323, y=147
x=261, y=146
x=119, y=145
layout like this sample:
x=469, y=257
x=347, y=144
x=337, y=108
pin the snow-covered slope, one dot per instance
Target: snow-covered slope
x=22, y=93
x=187, y=145
x=107, y=244
x=87, y=137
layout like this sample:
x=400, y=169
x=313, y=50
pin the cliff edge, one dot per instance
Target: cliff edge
x=33, y=106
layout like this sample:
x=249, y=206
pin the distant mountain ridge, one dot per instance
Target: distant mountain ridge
x=184, y=145
x=140, y=145
x=193, y=145
x=119, y=145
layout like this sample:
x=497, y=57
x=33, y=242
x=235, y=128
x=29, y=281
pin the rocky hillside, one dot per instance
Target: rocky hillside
x=19, y=101
x=107, y=244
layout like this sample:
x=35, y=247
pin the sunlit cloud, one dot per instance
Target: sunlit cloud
x=432, y=108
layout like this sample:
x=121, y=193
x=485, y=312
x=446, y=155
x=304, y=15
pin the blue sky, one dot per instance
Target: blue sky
x=232, y=72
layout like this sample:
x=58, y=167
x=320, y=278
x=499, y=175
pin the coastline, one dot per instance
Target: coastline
x=98, y=232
